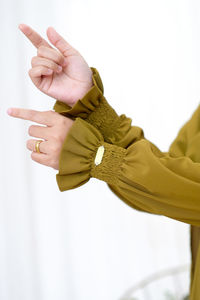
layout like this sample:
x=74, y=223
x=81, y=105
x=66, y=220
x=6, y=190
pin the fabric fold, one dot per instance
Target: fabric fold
x=141, y=175
x=77, y=158
x=85, y=106
x=95, y=109
x=135, y=169
x=76, y=155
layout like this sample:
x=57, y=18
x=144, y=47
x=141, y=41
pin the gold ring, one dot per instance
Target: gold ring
x=37, y=146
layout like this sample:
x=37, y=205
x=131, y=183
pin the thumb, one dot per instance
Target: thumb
x=58, y=41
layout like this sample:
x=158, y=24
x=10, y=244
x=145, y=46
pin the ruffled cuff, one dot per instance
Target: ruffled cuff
x=94, y=108
x=85, y=154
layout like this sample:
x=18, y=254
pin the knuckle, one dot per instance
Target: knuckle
x=40, y=40
x=52, y=65
x=55, y=135
x=60, y=58
x=55, y=146
x=33, y=60
x=40, y=50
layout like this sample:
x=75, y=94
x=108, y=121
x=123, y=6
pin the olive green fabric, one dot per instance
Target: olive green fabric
x=135, y=169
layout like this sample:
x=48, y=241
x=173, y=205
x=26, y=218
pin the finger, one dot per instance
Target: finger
x=40, y=131
x=58, y=41
x=51, y=54
x=48, y=118
x=30, y=144
x=33, y=36
x=41, y=158
x=39, y=71
x=36, y=74
x=39, y=61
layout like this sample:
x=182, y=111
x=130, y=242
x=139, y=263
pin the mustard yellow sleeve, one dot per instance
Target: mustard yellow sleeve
x=145, y=178
x=95, y=109
x=187, y=141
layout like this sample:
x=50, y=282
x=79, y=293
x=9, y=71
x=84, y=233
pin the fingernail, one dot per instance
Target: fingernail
x=9, y=111
x=21, y=26
x=59, y=69
x=49, y=71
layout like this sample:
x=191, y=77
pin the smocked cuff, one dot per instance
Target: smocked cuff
x=95, y=109
x=85, y=154
x=86, y=105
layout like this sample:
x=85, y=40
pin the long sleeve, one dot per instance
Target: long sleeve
x=117, y=130
x=187, y=143
x=95, y=109
x=164, y=183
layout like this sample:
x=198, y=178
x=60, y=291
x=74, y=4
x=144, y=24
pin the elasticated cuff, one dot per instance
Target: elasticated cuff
x=87, y=104
x=78, y=157
x=109, y=168
x=95, y=109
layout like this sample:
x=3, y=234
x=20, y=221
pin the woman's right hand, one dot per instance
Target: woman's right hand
x=61, y=73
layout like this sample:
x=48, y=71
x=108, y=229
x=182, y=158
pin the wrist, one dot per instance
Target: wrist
x=81, y=94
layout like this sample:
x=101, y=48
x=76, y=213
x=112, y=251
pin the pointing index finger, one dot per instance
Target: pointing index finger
x=33, y=36
x=47, y=118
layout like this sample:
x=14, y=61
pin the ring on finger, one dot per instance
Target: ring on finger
x=37, y=146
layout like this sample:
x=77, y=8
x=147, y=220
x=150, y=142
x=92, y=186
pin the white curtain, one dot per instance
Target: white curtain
x=87, y=244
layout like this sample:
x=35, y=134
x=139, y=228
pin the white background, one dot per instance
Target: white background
x=86, y=244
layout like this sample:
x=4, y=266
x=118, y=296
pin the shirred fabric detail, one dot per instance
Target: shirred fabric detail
x=95, y=109
x=109, y=168
x=76, y=163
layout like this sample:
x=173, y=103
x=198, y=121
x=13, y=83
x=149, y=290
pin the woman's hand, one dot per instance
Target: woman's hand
x=61, y=73
x=53, y=134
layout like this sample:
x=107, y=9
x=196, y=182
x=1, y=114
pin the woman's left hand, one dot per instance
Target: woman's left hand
x=53, y=134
